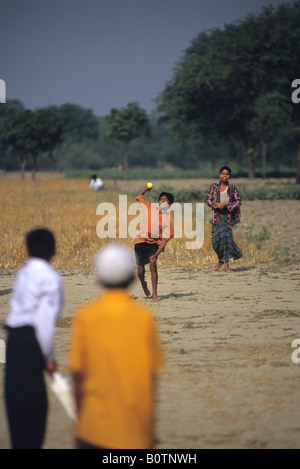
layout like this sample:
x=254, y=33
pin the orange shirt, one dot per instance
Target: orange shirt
x=115, y=345
x=155, y=226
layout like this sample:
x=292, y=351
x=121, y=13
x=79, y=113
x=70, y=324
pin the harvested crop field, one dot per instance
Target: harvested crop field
x=229, y=380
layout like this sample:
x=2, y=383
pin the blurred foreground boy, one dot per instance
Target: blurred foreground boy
x=114, y=357
x=36, y=304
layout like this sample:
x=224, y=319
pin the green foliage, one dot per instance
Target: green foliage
x=236, y=82
x=202, y=172
x=290, y=192
x=78, y=125
x=14, y=131
x=77, y=122
x=228, y=102
x=271, y=114
x=127, y=124
x=134, y=174
x=12, y=107
x=28, y=133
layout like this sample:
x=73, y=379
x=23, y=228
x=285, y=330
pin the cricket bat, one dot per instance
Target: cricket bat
x=62, y=390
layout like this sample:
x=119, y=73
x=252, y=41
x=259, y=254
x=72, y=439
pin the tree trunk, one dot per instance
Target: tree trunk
x=33, y=168
x=298, y=164
x=60, y=162
x=213, y=164
x=251, y=167
x=264, y=147
x=23, y=164
x=61, y=152
x=126, y=161
x=238, y=165
x=251, y=155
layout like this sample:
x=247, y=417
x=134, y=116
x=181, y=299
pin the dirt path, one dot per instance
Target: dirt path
x=229, y=380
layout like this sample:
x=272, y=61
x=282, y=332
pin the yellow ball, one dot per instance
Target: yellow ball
x=149, y=185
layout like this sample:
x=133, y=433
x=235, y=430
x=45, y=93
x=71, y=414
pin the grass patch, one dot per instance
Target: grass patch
x=278, y=313
x=68, y=208
x=288, y=192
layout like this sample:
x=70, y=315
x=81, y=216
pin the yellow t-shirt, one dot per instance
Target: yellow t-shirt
x=115, y=345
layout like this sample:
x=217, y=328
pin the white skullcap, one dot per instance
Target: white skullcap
x=114, y=265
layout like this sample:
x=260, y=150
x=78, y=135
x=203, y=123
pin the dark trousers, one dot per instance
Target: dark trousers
x=84, y=445
x=25, y=389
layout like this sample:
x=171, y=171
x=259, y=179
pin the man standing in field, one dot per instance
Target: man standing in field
x=155, y=232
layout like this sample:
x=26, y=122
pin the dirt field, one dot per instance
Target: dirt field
x=229, y=380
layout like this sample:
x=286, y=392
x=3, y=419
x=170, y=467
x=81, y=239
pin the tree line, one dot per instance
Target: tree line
x=229, y=100
x=70, y=137
x=236, y=83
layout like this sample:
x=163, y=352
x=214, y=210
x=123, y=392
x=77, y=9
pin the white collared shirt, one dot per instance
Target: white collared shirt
x=96, y=184
x=37, y=301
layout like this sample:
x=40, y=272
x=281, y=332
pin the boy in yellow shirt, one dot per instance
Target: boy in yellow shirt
x=114, y=356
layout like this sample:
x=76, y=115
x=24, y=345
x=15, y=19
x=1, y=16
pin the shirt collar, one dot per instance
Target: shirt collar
x=219, y=185
x=116, y=292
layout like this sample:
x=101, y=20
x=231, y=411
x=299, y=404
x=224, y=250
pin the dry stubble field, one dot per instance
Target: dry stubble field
x=229, y=380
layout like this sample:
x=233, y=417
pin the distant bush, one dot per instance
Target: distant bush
x=176, y=173
x=146, y=173
x=267, y=193
x=289, y=192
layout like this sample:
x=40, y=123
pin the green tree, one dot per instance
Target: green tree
x=208, y=95
x=13, y=133
x=29, y=134
x=78, y=124
x=216, y=84
x=127, y=124
x=10, y=108
x=271, y=114
x=45, y=134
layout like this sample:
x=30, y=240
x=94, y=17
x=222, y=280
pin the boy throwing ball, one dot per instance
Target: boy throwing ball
x=156, y=231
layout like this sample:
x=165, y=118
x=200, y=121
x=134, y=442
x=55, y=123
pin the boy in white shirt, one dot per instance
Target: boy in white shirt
x=36, y=304
x=96, y=183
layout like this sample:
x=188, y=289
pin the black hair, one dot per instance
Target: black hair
x=94, y=176
x=40, y=243
x=226, y=168
x=169, y=196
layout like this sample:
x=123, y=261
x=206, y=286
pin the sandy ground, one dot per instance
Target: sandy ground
x=229, y=380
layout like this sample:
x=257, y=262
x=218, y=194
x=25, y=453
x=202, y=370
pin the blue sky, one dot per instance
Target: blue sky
x=102, y=53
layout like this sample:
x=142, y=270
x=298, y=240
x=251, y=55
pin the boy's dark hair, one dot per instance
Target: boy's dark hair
x=94, y=176
x=40, y=243
x=226, y=168
x=169, y=196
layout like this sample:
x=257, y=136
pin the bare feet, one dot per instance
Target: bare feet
x=218, y=265
x=146, y=289
x=226, y=268
x=155, y=298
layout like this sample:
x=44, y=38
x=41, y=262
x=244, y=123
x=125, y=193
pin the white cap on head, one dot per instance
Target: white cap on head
x=114, y=265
